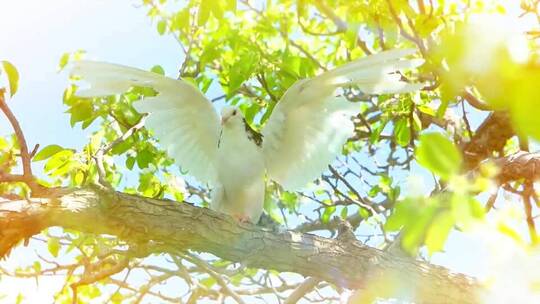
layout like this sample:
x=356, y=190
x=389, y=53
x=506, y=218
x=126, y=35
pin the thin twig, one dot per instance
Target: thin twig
x=302, y=290
x=100, y=153
x=219, y=279
x=27, y=177
x=25, y=155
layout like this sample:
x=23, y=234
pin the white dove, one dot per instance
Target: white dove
x=303, y=135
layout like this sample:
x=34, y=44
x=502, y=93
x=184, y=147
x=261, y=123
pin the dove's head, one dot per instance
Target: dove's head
x=230, y=115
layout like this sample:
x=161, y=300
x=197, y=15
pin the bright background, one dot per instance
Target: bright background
x=35, y=33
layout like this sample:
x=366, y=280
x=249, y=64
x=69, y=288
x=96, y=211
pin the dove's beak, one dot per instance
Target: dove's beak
x=224, y=120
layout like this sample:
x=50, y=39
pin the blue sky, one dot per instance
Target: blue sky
x=35, y=33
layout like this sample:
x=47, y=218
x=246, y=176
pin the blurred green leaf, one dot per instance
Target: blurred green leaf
x=438, y=154
x=158, y=70
x=438, y=232
x=63, y=61
x=53, y=245
x=204, y=12
x=13, y=77
x=162, y=26
x=180, y=20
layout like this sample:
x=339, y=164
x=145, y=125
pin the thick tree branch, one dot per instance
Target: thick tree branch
x=517, y=166
x=491, y=136
x=169, y=226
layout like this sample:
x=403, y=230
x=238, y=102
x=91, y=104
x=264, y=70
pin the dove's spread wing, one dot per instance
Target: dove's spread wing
x=184, y=121
x=309, y=125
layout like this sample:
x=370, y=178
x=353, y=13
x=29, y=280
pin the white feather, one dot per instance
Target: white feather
x=304, y=134
x=309, y=126
x=182, y=118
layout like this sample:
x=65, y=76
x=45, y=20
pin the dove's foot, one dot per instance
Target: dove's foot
x=242, y=218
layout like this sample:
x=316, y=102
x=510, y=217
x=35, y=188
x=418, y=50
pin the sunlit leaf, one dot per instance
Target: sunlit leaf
x=438, y=231
x=47, y=152
x=438, y=154
x=13, y=76
x=402, y=132
x=158, y=70
x=162, y=26
x=53, y=245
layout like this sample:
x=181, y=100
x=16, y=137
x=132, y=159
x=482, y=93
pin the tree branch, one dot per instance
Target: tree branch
x=301, y=290
x=168, y=226
x=25, y=155
x=517, y=166
x=491, y=136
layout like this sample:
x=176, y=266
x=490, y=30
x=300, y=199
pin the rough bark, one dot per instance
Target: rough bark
x=168, y=226
x=491, y=136
x=519, y=166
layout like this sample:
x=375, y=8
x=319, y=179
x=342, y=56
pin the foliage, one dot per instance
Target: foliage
x=247, y=53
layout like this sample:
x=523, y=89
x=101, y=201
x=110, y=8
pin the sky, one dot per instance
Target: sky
x=35, y=33
x=33, y=36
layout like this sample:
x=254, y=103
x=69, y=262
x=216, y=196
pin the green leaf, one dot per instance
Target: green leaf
x=47, y=152
x=13, y=77
x=241, y=70
x=525, y=105
x=144, y=158
x=208, y=282
x=162, y=26
x=158, y=70
x=58, y=159
x=180, y=20
x=426, y=110
x=401, y=216
x=63, y=61
x=344, y=213
x=217, y=11
x=438, y=154
x=415, y=231
x=19, y=299
x=230, y=5
x=204, y=12
x=438, y=231
x=364, y=213
x=249, y=111
x=122, y=147
x=53, y=245
x=117, y=297
x=402, y=132
x=130, y=162
x=327, y=214
x=81, y=111
x=36, y=266
x=377, y=130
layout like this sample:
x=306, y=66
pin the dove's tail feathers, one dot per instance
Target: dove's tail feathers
x=376, y=74
x=110, y=79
